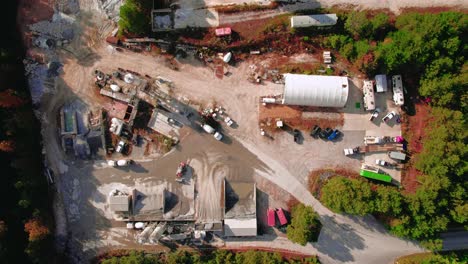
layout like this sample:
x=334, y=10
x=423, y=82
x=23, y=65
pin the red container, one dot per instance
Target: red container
x=281, y=216
x=271, y=217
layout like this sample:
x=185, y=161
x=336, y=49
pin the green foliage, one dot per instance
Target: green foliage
x=133, y=258
x=217, y=257
x=305, y=225
x=133, y=17
x=433, y=244
x=351, y=196
x=432, y=258
x=337, y=41
x=380, y=23
x=388, y=200
x=358, y=25
x=445, y=151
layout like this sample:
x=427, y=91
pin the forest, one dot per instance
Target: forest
x=430, y=51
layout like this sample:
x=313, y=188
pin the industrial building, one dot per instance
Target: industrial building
x=240, y=217
x=320, y=20
x=315, y=90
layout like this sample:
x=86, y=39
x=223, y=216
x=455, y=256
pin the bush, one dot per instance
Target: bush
x=351, y=196
x=305, y=225
x=134, y=18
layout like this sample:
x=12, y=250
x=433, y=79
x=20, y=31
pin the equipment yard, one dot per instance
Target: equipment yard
x=197, y=148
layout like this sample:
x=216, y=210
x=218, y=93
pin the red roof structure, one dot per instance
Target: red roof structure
x=220, y=32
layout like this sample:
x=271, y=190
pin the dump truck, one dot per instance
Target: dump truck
x=119, y=163
x=372, y=140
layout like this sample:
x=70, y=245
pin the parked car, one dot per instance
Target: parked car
x=315, y=131
x=228, y=121
x=218, y=136
x=208, y=129
x=297, y=135
x=374, y=114
x=119, y=163
x=388, y=117
x=120, y=146
x=325, y=133
x=334, y=135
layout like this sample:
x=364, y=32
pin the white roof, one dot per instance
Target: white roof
x=397, y=84
x=314, y=20
x=119, y=203
x=315, y=90
x=240, y=227
x=381, y=83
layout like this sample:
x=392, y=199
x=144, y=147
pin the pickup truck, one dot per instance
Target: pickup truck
x=351, y=151
x=334, y=135
x=384, y=163
x=315, y=131
x=388, y=117
x=374, y=114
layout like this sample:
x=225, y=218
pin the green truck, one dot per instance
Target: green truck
x=375, y=176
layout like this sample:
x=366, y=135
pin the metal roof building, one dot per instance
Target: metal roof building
x=119, y=203
x=240, y=217
x=320, y=20
x=315, y=90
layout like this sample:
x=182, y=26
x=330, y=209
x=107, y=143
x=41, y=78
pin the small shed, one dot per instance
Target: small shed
x=320, y=20
x=381, y=83
x=119, y=203
x=240, y=227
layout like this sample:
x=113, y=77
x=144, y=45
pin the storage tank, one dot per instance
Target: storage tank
x=115, y=87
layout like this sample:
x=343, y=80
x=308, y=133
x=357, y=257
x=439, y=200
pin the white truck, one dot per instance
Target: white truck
x=119, y=163
x=351, y=151
x=389, y=117
x=210, y=130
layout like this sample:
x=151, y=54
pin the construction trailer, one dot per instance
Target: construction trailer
x=381, y=84
x=369, y=97
x=397, y=85
x=320, y=20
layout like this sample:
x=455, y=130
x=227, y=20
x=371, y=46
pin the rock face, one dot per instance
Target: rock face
x=110, y=8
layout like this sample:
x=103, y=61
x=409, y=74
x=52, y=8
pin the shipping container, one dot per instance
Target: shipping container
x=271, y=217
x=376, y=176
x=281, y=216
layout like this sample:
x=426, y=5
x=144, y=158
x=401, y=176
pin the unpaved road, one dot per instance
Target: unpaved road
x=343, y=239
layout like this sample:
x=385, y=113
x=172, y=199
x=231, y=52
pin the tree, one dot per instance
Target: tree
x=380, y=24
x=9, y=99
x=133, y=18
x=388, y=200
x=343, y=195
x=358, y=25
x=36, y=229
x=305, y=225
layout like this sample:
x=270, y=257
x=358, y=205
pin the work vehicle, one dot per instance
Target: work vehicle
x=139, y=225
x=281, y=216
x=228, y=121
x=334, y=135
x=325, y=133
x=227, y=57
x=120, y=146
x=208, y=129
x=297, y=135
x=181, y=169
x=384, y=163
x=374, y=173
x=351, y=151
x=375, y=176
x=397, y=155
x=119, y=163
x=374, y=114
x=389, y=117
x=218, y=136
x=315, y=131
